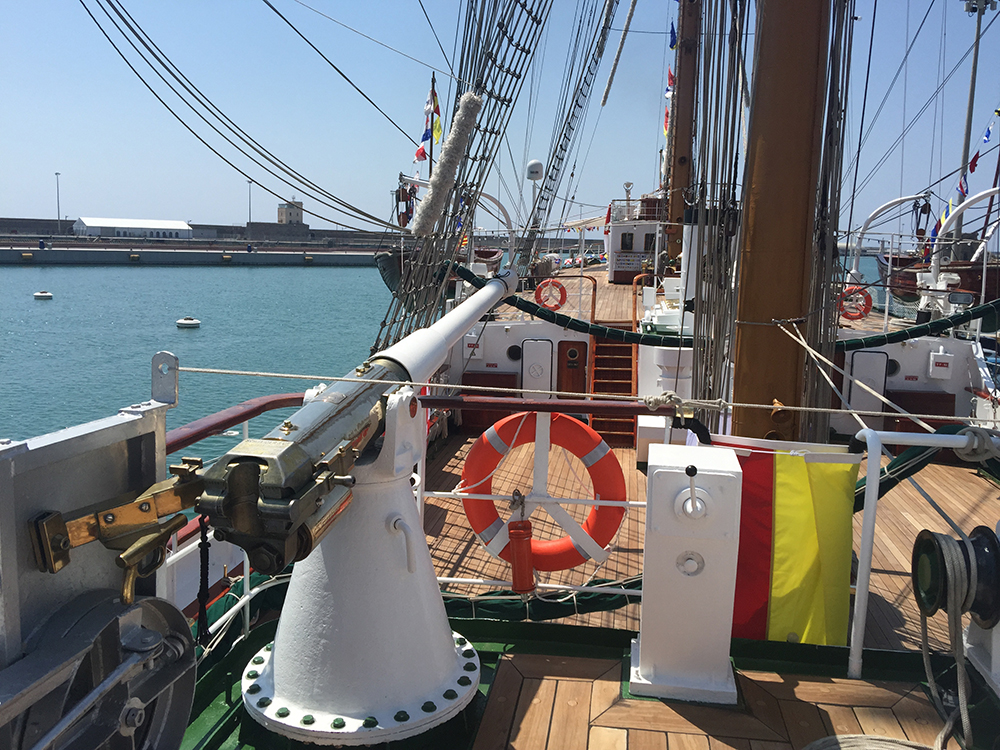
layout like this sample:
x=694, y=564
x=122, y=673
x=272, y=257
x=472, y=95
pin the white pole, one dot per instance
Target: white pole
x=865, y=553
x=856, y=256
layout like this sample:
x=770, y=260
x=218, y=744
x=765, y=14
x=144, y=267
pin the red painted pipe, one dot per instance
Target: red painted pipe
x=521, y=566
x=215, y=424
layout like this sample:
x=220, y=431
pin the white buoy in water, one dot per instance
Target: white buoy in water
x=188, y=322
x=43, y=295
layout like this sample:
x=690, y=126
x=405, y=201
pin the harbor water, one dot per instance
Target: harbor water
x=87, y=352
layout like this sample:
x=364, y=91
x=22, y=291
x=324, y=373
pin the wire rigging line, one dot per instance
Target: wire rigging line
x=923, y=109
x=339, y=71
x=190, y=129
x=162, y=60
x=436, y=39
x=318, y=12
x=167, y=64
x=864, y=106
x=892, y=84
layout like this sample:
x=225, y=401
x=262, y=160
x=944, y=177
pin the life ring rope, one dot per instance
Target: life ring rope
x=582, y=541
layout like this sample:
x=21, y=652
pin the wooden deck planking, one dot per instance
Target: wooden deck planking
x=563, y=710
x=917, y=717
x=606, y=691
x=613, y=303
x=605, y=738
x=534, y=715
x=495, y=726
x=839, y=719
x=570, y=716
x=687, y=741
x=728, y=743
x=640, y=739
x=879, y=722
x=803, y=722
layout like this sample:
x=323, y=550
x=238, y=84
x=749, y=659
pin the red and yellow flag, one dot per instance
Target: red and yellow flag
x=793, y=577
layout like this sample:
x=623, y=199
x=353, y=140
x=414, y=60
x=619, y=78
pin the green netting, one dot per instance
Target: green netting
x=535, y=609
x=988, y=311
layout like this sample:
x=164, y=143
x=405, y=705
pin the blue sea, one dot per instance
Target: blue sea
x=86, y=353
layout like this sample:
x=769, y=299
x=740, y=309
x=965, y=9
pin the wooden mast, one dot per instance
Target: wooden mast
x=682, y=105
x=779, y=207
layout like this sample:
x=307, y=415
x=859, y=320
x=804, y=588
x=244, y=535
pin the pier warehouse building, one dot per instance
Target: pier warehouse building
x=157, y=228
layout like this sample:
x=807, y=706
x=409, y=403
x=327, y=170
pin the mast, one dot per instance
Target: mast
x=682, y=105
x=783, y=159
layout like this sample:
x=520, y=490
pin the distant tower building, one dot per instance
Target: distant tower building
x=290, y=213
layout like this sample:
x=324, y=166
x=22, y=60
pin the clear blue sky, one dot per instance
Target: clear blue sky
x=69, y=104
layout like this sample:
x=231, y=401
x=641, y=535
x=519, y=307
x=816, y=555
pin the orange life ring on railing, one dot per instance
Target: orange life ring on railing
x=605, y=472
x=544, y=294
x=854, y=303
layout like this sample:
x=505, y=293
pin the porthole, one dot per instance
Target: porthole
x=514, y=352
x=892, y=367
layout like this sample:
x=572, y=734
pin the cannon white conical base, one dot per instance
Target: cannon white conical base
x=393, y=720
x=364, y=653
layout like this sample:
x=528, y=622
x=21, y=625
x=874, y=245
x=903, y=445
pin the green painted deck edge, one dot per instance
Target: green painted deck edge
x=219, y=720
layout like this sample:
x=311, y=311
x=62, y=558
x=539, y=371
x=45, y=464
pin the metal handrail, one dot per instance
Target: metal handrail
x=214, y=424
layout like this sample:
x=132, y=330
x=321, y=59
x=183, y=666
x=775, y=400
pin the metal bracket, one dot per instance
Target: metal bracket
x=118, y=526
x=517, y=502
x=165, y=383
x=156, y=542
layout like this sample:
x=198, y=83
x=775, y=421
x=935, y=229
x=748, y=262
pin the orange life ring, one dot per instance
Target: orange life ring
x=854, y=303
x=605, y=472
x=544, y=297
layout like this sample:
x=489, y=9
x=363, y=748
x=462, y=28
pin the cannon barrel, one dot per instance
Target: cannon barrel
x=277, y=497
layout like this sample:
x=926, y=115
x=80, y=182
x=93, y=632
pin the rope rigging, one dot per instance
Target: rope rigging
x=498, y=47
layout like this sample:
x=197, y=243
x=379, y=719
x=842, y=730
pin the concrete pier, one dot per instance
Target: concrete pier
x=145, y=255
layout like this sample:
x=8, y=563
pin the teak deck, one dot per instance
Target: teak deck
x=551, y=703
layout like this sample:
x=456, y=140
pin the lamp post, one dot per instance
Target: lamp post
x=249, y=206
x=58, y=208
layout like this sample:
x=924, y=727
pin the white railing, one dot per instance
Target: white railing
x=874, y=440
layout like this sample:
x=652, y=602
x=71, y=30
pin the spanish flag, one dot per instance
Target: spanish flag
x=793, y=574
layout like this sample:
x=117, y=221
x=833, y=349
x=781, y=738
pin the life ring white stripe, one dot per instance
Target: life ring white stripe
x=491, y=531
x=595, y=455
x=496, y=441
